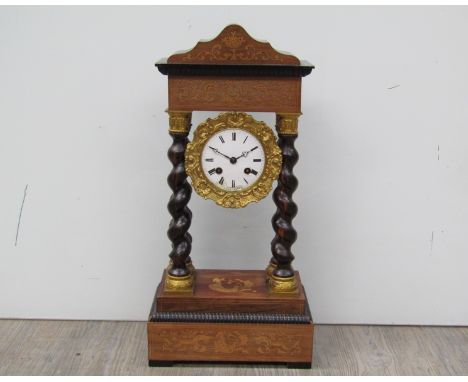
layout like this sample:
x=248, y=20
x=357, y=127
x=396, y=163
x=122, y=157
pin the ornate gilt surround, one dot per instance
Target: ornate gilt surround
x=257, y=190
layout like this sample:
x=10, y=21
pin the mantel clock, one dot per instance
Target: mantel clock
x=232, y=160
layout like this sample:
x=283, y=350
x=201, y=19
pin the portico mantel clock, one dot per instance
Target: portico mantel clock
x=232, y=160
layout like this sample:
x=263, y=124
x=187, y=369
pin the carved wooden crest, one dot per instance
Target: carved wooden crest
x=233, y=46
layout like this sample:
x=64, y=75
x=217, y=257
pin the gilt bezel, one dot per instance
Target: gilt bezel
x=236, y=198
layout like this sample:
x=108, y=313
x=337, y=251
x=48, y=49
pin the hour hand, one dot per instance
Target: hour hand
x=244, y=154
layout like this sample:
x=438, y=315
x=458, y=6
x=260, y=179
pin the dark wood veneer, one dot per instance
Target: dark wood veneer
x=177, y=206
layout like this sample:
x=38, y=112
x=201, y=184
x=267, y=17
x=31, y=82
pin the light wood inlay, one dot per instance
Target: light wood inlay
x=231, y=291
x=239, y=342
x=235, y=94
x=233, y=46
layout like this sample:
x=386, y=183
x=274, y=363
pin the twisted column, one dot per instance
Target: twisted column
x=280, y=272
x=179, y=275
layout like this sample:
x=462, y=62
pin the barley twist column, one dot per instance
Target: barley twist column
x=280, y=272
x=179, y=274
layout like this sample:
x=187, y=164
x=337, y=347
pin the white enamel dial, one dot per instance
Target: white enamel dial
x=233, y=159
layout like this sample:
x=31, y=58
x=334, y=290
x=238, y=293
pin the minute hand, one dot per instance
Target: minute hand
x=218, y=152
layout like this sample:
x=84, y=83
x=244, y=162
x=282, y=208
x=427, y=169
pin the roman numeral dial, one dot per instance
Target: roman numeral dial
x=233, y=159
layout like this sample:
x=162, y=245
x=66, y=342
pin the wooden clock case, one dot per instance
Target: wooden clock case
x=201, y=315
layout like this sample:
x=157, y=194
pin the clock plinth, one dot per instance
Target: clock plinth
x=233, y=160
x=232, y=316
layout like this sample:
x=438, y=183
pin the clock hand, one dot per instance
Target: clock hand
x=245, y=153
x=218, y=152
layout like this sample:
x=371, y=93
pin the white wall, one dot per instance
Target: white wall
x=383, y=196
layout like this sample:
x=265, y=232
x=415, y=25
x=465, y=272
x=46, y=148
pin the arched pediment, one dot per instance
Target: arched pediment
x=233, y=46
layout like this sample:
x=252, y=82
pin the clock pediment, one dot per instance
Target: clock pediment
x=233, y=46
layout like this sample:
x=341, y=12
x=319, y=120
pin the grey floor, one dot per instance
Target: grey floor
x=110, y=348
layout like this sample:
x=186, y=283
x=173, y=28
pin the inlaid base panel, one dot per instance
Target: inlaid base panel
x=231, y=291
x=231, y=317
x=226, y=342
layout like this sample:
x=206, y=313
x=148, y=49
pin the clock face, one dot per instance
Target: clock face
x=233, y=159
